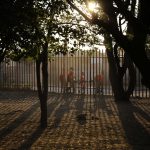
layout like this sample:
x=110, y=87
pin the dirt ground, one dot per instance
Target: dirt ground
x=79, y=122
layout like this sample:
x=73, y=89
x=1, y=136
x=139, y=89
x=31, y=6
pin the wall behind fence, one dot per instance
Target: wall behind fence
x=22, y=74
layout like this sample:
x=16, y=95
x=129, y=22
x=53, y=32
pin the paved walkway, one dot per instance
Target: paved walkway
x=74, y=122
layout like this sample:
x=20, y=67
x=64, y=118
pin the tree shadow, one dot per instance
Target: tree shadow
x=16, y=95
x=100, y=103
x=23, y=117
x=37, y=133
x=80, y=117
x=13, y=125
x=79, y=104
x=136, y=134
x=64, y=108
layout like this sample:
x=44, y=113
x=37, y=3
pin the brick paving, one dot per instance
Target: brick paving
x=74, y=122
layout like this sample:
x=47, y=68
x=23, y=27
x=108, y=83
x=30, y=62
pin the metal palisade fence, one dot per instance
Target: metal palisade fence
x=78, y=72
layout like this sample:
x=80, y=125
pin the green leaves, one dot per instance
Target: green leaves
x=27, y=25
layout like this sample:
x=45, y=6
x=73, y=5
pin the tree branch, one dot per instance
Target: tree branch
x=78, y=10
x=94, y=19
x=134, y=22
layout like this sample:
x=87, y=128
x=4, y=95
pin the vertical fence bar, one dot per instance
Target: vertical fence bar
x=56, y=74
x=49, y=69
x=83, y=54
x=67, y=66
x=33, y=75
x=61, y=71
x=5, y=78
x=53, y=77
x=30, y=83
x=87, y=73
x=89, y=69
x=97, y=66
x=102, y=63
x=79, y=68
x=139, y=84
x=93, y=66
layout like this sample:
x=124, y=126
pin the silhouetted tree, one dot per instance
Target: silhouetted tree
x=107, y=15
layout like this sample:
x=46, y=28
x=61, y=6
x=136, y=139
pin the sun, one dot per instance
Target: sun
x=91, y=6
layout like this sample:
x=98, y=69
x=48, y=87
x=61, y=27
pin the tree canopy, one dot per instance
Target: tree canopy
x=111, y=15
x=26, y=25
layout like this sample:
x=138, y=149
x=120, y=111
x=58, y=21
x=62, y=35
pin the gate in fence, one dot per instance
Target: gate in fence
x=84, y=71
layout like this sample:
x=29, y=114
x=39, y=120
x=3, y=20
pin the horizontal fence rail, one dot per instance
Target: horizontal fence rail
x=85, y=66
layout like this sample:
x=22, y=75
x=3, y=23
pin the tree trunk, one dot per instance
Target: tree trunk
x=116, y=82
x=42, y=84
x=126, y=64
x=132, y=77
x=45, y=85
x=136, y=50
x=142, y=62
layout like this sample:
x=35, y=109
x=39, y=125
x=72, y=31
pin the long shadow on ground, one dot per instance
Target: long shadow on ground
x=37, y=133
x=81, y=118
x=64, y=108
x=13, y=125
x=58, y=114
x=138, y=137
x=136, y=134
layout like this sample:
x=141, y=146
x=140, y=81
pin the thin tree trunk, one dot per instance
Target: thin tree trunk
x=45, y=85
x=42, y=84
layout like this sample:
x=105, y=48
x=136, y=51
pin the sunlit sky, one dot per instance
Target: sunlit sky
x=91, y=7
